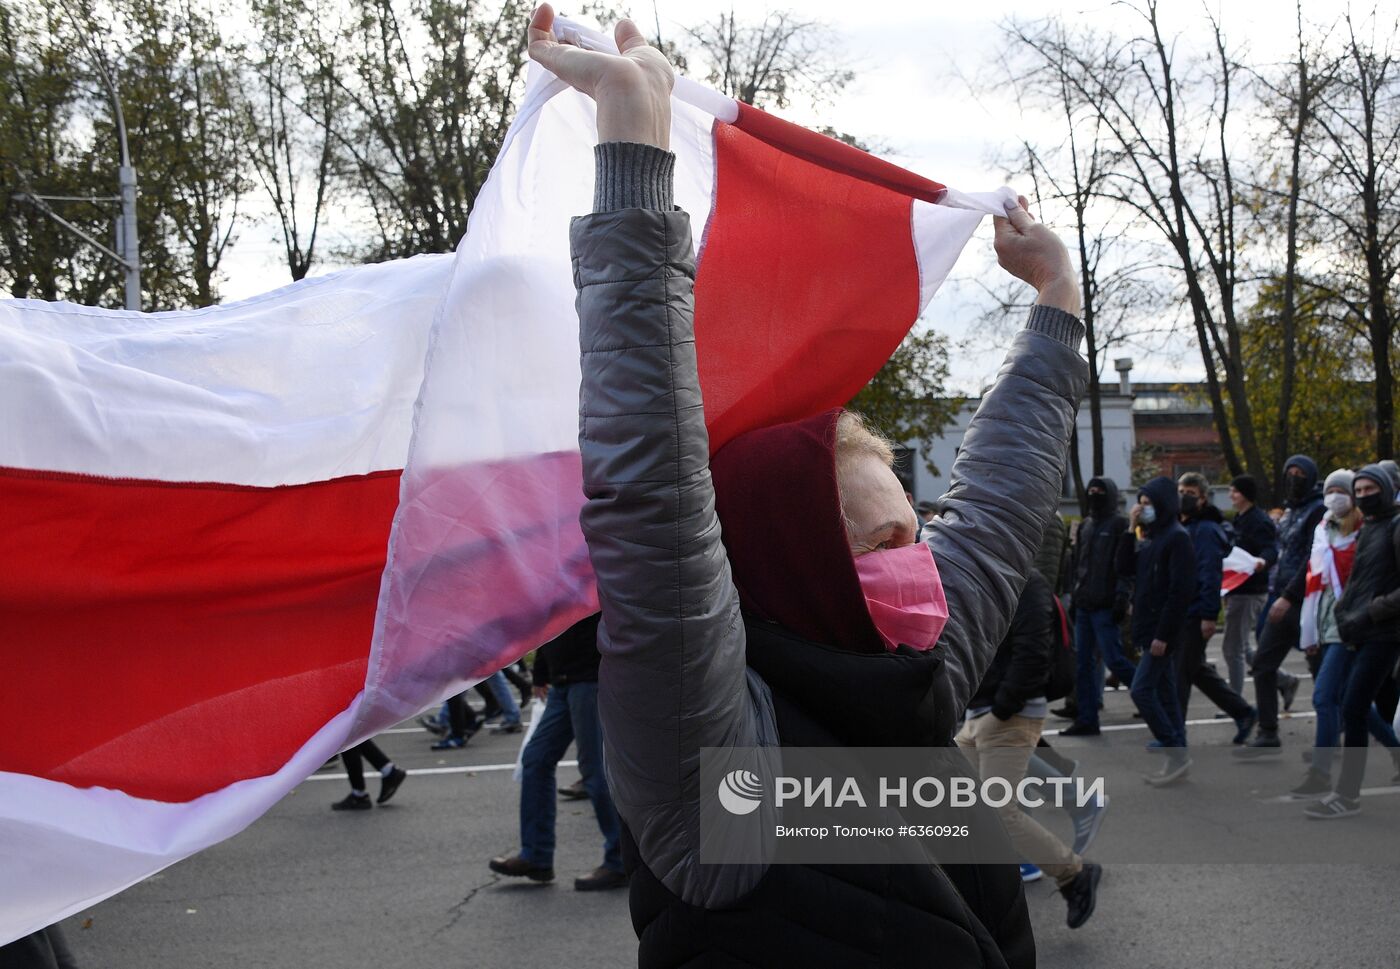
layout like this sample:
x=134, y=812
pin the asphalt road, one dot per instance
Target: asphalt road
x=407, y=884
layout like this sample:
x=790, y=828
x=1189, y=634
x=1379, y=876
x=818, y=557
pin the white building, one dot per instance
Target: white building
x=1116, y=408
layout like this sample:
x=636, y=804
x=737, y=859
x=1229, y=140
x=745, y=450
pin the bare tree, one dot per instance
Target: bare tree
x=292, y=110
x=1176, y=171
x=1297, y=92
x=1073, y=174
x=1358, y=198
x=429, y=91
x=772, y=61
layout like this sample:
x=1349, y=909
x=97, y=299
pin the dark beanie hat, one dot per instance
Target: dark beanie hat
x=1246, y=485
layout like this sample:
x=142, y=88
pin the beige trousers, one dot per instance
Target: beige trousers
x=1002, y=748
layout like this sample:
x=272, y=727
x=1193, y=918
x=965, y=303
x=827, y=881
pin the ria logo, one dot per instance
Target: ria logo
x=740, y=792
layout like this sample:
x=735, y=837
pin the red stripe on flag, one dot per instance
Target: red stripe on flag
x=834, y=155
x=214, y=627
x=787, y=322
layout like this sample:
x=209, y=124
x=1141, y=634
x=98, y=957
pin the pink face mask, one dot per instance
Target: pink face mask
x=904, y=595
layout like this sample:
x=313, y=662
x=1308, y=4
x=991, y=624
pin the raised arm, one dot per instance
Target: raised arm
x=672, y=678
x=1011, y=466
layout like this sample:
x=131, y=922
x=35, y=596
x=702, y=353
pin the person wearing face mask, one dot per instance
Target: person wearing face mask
x=1205, y=525
x=725, y=625
x=1256, y=533
x=1163, y=565
x=1329, y=569
x=1304, y=509
x=1368, y=620
x=1100, y=600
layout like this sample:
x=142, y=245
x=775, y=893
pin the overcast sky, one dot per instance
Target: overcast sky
x=911, y=96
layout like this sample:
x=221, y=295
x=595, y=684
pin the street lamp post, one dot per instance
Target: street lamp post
x=128, y=252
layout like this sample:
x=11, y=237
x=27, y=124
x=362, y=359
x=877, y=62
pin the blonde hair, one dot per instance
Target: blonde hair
x=854, y=437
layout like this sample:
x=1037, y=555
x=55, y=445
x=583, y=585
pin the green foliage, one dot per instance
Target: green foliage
x=44, y=99
x=1333, y=415
x=907, y=399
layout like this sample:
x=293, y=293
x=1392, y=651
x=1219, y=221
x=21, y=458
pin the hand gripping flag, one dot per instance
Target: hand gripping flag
x=237, y=540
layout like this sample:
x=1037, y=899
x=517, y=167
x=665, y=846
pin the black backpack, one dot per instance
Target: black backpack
x=1060, y=683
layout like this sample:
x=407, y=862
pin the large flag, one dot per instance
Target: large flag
x=237, y=540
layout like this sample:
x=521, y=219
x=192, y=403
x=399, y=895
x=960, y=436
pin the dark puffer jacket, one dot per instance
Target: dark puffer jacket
x=674, y=676
x=1369, y=609
x=1097, y=582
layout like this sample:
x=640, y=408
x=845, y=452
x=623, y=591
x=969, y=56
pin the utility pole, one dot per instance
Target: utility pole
x=128, y=252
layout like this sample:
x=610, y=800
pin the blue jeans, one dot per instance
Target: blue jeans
x=1328, y=689
x=500, y=689
x=1369, y=668
x=1095, y=636
x=1154, y=692
x=570, y=713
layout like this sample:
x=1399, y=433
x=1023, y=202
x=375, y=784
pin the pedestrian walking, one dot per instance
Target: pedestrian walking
x=1163, y=566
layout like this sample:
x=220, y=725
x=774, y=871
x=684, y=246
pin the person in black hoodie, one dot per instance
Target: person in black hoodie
x=1002, y=727
x=1304, y=509
x=1164, y=569
x=1204, y=523
x=1256, y=533
x=1368, y=617
x=1100, y=600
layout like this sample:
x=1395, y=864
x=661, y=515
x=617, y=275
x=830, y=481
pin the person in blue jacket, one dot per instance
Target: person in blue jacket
x=1163, y=564
x=1204, y=523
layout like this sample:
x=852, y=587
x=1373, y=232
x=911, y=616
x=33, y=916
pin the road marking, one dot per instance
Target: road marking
x=468, y=769
x=1224, y=721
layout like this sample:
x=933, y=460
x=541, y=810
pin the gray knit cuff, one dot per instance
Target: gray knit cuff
x=632, y=176
x=1056, y=324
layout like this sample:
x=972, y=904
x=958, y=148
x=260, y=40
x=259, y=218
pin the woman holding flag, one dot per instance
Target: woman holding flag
x=758, y=640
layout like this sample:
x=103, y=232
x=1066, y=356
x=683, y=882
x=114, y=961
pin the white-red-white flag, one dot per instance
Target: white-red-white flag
x=237, y=540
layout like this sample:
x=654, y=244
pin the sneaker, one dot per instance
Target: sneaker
x=1287, y=691
x=450, y=743
x=1087, y=821
x=1113, y=682
x=390, y=784
x=1245, y=726
x=1081, y=894
x=493, y=718
x=1079, y=729
x=1155, y=747
x=433, y=725
x=1030, y=873
x=517, y=867
x=507, y=727
x=574, y=792
x=600, y=880
x=353, y=802
x=1333, y=806
x=1263, y=744
x=1315, y=785
x=1171, y=772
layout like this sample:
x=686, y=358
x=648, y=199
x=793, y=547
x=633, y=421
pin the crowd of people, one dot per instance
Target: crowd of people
x=1320, y=576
